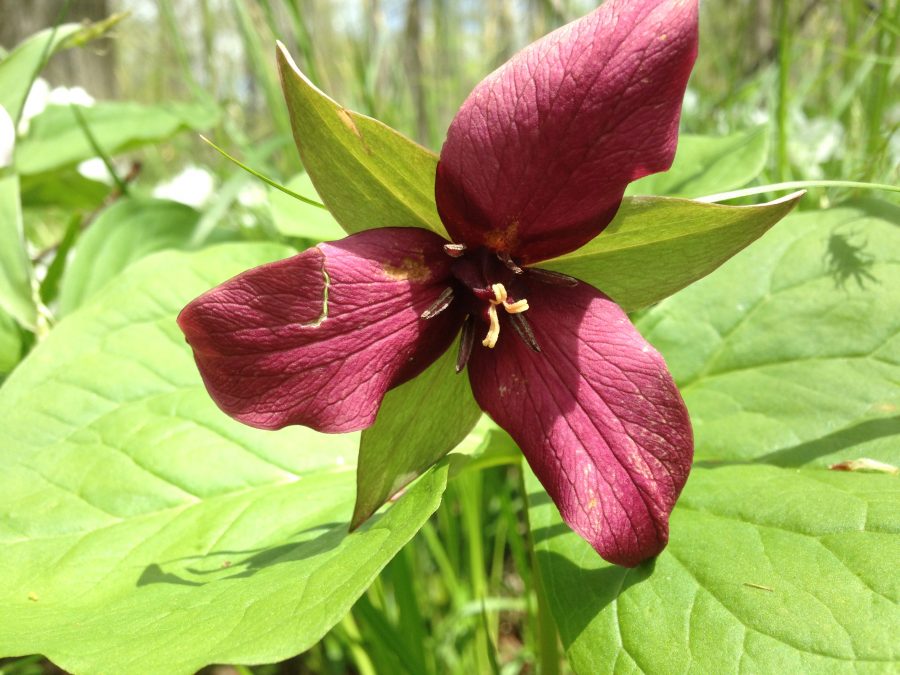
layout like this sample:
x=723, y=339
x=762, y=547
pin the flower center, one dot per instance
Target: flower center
x=500, y=299
x=483, y=276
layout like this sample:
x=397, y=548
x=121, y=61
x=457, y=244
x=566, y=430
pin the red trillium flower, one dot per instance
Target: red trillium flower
x=534, y=166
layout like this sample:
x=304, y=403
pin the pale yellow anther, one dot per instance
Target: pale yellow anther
x=500, y=298
x=494, y=331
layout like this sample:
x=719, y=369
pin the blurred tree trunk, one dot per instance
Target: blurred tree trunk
x=499, y=32
x=414, y=69
x=91, y=67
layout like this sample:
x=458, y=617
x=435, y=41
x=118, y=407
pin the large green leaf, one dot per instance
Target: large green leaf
x=768, y=570
x=787, y=355
x=10, y=344
x=142, y=530
x=16, y=294
x=21, y=65
x=705, y=165
x=294, y=218
x=656, y=246
x=367, y=174
x=418, y=423
x=791, y=351
x=66, y=189
x=127, y=231
x=55, y=140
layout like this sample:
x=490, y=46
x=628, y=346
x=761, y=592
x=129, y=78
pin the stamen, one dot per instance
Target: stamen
x=510, y=263
x=512, y=308
x=442, y=303
x=524, y=331
x=466, y=342
x=454, y=250
x=551, y=277
x=499, y=294
x=516, y=307
x=494, y=331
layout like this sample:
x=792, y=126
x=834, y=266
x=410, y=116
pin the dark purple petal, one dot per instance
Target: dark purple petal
x=317, y=339
x=537, y=159
x=597, y=416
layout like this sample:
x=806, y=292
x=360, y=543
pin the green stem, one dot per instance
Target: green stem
x=95, y=146
x=264, y=179
x=548, y=642
x=795, y=185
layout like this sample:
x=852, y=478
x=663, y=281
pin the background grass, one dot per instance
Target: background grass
x=461, y=598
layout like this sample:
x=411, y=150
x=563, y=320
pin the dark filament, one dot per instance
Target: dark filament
x=466, y=342
x=510, y=263
x=442, y=303
x=552, y=278
x=523, y=329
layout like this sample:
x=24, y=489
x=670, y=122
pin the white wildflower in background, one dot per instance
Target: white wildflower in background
x=193, y=186
x=35, y=103
x=70, y=95
x=95, y=169
x=813, y=141
x=252, y=196
x=41, y=95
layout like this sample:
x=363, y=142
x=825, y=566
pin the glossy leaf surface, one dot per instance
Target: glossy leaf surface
x=767, y=570
x=790, y=353
x=788, y=361
x=656, y=246
x=144, y=531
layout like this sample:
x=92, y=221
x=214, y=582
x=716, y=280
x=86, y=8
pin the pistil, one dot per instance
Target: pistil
x=500, y=298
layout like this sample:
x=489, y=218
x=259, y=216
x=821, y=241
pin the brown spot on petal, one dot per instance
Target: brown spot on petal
x=409, y=269
x=504, y=239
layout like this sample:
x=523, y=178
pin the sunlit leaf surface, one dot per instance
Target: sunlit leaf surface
x=141, y=530
x=418, y=423
x=706, y=165
x=767, y=570
x=656, y=246
x=788, y=360
x=791, y=352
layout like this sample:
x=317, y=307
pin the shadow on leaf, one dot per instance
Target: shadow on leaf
x=863, y=432
x=805, y=453
x=848, y=259
x=580, y=591
x=223, y=564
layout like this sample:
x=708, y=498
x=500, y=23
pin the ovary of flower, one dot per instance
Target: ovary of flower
x=516, y=307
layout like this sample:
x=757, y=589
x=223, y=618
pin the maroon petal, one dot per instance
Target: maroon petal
x=597, y=416
x=537, y=159
x=317, y=339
